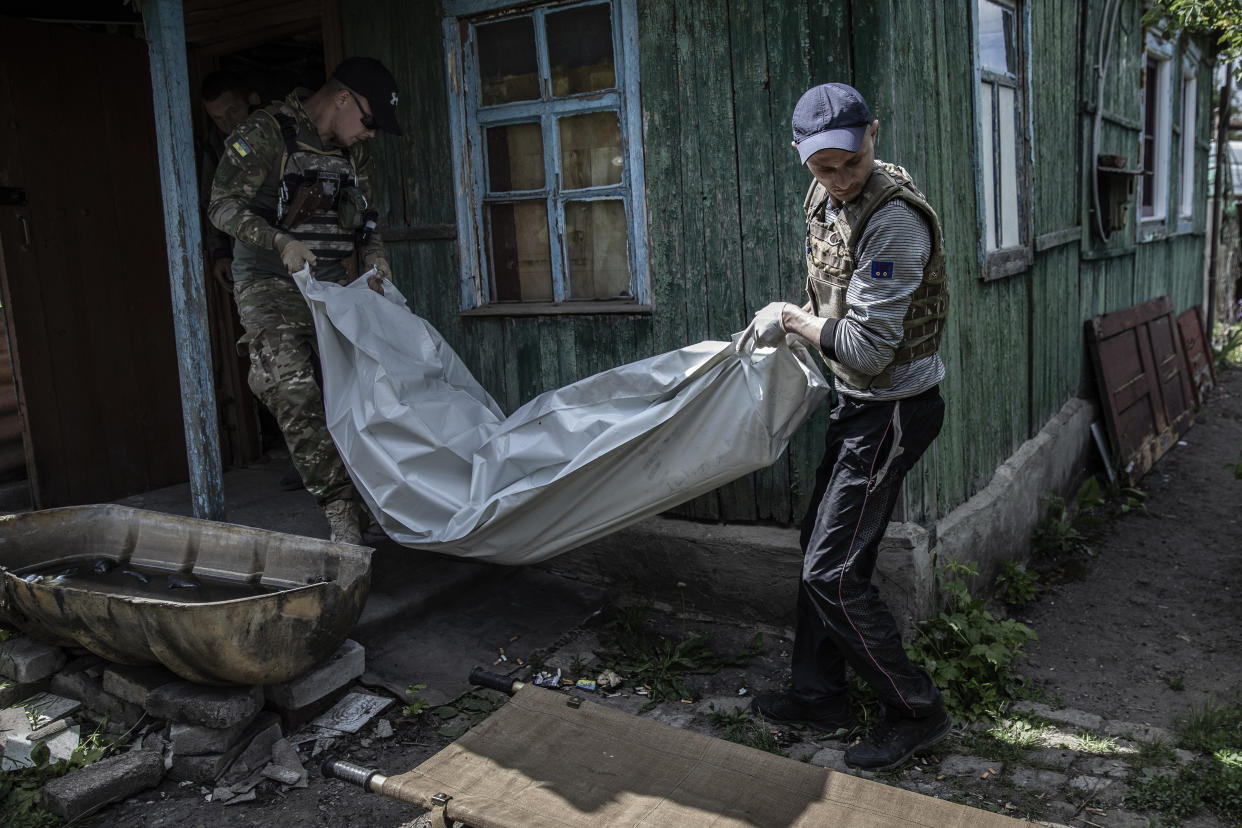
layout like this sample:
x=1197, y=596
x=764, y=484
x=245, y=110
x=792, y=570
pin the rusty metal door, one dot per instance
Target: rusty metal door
x=85, y=275
x=1144, y=390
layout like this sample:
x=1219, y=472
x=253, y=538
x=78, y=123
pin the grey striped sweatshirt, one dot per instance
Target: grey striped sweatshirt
x=867, y=337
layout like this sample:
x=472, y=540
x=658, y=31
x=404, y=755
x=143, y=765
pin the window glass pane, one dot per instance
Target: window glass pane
x=996, y=38
x=1189, y=94
x=591, y=150
x=595, y=242
x=514, y=157
x=521, y=269
x=1007, y=183
x=580, y=50
x=508, y=70
x=987, y=161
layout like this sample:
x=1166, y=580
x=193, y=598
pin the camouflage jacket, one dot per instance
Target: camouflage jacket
x=246, y=186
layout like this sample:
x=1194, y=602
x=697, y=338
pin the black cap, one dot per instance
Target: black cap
x=830, y=116
x=369, y=78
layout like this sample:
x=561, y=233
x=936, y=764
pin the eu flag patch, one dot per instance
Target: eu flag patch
x=241, y=147
x=881, y=270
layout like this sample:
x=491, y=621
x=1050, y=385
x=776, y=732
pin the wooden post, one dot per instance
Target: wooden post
x=1218, y=195
x=170, y=86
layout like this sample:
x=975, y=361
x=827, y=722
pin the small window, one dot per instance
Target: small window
x=1190, y=94
x=1157, y=133
x=551, y=143
x=1002, y=129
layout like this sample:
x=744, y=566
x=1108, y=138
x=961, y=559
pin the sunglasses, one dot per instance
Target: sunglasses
x=368, y=120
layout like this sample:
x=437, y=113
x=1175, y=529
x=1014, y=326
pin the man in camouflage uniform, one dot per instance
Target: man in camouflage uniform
x=294, y=190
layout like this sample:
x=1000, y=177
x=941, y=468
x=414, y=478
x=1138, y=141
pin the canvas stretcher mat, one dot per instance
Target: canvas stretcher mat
x=539, y=761
x=442, y=468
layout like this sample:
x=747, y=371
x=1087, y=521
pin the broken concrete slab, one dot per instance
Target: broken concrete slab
x=333, y=673
x=109, y=780
x=207, y=768
x=1063, y=716
x=24, y=659
x=350, y=714
x=218, y=707
x=134, y=684
x=11, y=692
x=285, y=757
x=958, y=765
x=42, y=709
x=255, y=757
x=196, y=740
x=80, y=678
x=1141, y=732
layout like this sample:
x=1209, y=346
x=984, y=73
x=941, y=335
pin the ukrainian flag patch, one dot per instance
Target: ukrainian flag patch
x=241, y=147
x=881, y=270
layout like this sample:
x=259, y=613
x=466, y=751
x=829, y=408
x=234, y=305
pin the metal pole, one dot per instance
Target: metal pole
x=1222, y=159
x=170, y=86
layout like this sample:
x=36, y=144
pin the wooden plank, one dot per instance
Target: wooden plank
x=1197, y=353
x=1143, y=387
x=175, y=145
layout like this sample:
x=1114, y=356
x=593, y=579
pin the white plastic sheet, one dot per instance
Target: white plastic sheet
x=443, y=469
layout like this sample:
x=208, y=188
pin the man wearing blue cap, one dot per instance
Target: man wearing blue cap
x=878, y=300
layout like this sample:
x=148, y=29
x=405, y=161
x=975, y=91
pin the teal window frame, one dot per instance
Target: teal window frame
x=469, y=120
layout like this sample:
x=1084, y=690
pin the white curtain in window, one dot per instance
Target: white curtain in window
x=443, y=469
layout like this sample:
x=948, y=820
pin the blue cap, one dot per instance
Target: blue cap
x=830, y=116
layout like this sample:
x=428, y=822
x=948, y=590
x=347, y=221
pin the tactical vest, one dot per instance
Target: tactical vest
x=329, y=179
x=830, y=248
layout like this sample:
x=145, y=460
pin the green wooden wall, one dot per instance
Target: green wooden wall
x=719, y=79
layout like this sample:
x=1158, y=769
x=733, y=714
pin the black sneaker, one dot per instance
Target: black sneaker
x=782, y=708
x=893, y=741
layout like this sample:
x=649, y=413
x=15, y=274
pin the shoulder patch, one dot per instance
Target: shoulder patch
x=240, y=147
x=881, y=270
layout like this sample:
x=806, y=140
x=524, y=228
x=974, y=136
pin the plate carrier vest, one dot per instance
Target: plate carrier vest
x=830, y=248
x=329, y=169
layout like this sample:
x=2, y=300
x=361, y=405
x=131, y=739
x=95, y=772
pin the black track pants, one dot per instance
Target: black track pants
x=841, y=619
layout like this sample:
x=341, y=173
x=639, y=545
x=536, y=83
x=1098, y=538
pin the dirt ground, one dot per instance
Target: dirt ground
x=1148, y=628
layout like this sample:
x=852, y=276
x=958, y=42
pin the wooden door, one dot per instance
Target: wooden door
x=85, y=271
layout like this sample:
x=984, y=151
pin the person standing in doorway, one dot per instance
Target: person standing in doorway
x=294, y=189
x=878, y=301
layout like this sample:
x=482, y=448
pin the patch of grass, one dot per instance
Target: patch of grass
x=21, y=791
x=741, y=727
x=1236, y=468
x=1087, y=742
x=646, y=658
x=1006, y=740
x=1213, y=780
x=1226, y=346
x=968, y=652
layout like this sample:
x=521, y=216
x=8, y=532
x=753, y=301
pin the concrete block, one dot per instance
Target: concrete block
x=134, y=684
x=196, y=740
x=12, y=692
x=17, y=747
x=831, y=758
x=1065, y=716
x=109, y=780
x=80, y=678
x=1055, y=758
x=333, y=673
x=1142, y=732
x=25, y=660
x=1041, y=781
x=218, y=707
x=1099, y=791
x=292, y=720
x=209, y=767
x=957, y=765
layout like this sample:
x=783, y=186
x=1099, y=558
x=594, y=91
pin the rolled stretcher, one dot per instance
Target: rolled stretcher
x=549, y=759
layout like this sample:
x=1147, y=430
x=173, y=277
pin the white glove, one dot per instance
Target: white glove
x=767, y=328
x=293, y=252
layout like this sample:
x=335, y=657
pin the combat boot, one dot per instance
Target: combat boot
x=343, y=521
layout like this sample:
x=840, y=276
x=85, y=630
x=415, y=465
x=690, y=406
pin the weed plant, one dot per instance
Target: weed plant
x=1016, y=586
x=467, y=712
x=741, y=727
x=1213, y=780
x=649, y=659
x=968, y=652
x=1066, y=528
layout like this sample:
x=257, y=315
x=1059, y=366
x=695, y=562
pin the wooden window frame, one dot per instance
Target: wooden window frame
x=1189, y=118
x=1155, y=226
x=469, y=120
x=999, y=263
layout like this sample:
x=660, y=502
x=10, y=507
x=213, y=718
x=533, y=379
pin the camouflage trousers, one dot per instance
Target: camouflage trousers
x=280, y=336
